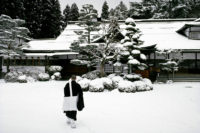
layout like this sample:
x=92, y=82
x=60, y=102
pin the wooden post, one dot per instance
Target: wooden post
x=196, y=65
x=38, y=61
x=154, y=62
x=20, y=62
x=1, y=64
x=26, y=61
x=14, y=62
x=32, y=61
x=8, y=64
x=46, y=63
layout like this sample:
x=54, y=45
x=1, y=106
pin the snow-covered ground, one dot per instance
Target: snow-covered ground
x=37, y=108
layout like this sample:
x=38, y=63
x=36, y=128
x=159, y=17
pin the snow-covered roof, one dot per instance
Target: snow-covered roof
x=62, y=42
x=165, y=36
x=51, y=54
x=162, y=33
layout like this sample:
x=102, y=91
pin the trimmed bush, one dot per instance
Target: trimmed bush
x=43, y=77
x=22, y=79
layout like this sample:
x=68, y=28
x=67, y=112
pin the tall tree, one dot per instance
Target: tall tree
x=33, y=17
x=66, y=14
x=74, y=12
x=121, y=11
x=100, y=54
x=88, y=20
x=51, y=20
x=131, y=53
x=105, y=10
x=13, y=8
x=111, y=13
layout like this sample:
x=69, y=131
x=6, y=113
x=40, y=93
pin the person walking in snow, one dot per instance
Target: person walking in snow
x=73, y=100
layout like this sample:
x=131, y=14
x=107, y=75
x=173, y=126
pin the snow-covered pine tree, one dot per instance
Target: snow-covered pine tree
x=74, y=12
x=88, y=20
x=111, y=13
x=66, y=13
x=12, y=37
x=105, y=10
x=121, y=11
x=131, y=53
x=139, y=10
x=100, y=54
x=172, y=59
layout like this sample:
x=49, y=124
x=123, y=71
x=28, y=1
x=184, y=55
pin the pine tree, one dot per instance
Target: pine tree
x=67, y=14
x=51, y=19
x=88, y=18
x=13, y=8
x=105, y=12
x=111, y=13
x=121, y=11
x=12, y=37
x=131, y=53
x=33, y=17
x=74, y=12
x=93, y=55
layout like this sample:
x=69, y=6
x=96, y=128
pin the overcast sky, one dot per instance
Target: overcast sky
x=97, y=3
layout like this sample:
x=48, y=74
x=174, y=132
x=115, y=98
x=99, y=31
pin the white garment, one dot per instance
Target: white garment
x=70, y=103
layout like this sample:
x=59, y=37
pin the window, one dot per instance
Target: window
x=194, y=33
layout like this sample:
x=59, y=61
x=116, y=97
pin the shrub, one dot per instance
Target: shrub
x=22, y=79
x=43, y=77
x=11, y=76
x=126, y=86
x=92, y=75
x=96, y=85
x=84, y=83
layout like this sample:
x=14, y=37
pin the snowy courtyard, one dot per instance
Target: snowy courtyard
x=37, y=108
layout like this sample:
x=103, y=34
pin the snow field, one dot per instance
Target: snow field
x=37, y=108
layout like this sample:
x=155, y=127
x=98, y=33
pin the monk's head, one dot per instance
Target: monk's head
x=73, y=77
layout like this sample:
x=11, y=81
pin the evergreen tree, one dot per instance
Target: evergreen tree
x=121, y=11
x=105, y=11
x=12, y=37
x=13, y=8
x=74, y=12
x=131, y=53
x=67, y=14
x=93, y=55
x=33, y=17
x=51, y=19
x=111, y=13
x=88, y=18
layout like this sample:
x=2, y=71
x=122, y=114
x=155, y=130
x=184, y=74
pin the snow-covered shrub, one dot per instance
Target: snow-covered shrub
x=107, y=83
x=43, y=77
x=78, y=78
x=84, y=83
x=22, y=79
x=144, y=85
x=92, y=75
x=126, y=86
x=133, y=77
x=31, y=79
x=53, y=69
x=11, y=76
x=96, y=85
x=116, y=80
x=56, y=76
x=149, y=85
x=140, y=86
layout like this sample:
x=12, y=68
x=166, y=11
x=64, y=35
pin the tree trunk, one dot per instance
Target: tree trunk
x=102, y=66
x=89, y=37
